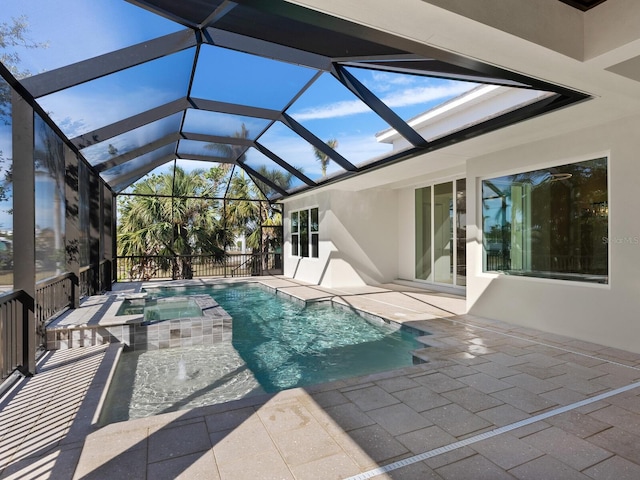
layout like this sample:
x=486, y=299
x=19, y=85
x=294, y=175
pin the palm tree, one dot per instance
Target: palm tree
x=170, y=219
x=244, y=210
x=231, y=152
x=322, y=157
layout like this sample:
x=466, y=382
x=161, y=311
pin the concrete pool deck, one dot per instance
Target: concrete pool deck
x=493, y=401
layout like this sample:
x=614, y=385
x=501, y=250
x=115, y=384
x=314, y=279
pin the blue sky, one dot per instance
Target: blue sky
x=79, y=29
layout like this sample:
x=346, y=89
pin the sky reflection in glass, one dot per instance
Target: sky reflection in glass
x=409, y=95
x=223, y=124
x=131, y=140
x=331, y=112
x=234, y=77
x=86, y=107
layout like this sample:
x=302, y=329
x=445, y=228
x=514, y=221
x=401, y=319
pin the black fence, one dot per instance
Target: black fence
x=143, y=268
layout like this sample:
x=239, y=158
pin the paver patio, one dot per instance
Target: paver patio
x=435, y=420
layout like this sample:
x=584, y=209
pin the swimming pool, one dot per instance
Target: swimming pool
x=277, y=344
x=157, y=311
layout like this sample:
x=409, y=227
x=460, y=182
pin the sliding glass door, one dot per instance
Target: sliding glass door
x=441, y=233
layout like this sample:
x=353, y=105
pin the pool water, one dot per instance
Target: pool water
x=157, y=311
x=277, y=344
x=161, y=311
x=152, y=382
x=289, y=344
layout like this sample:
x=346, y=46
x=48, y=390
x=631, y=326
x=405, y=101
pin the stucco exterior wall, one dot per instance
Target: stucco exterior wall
x=606, y=314
x=358, y=239
x=367, y=237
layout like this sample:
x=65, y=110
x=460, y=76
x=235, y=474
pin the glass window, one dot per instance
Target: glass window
x=215, y=151
x=295, y=237
x=123, y=170
x=88, y=29
x=107, y=224
x=129, y=187
x=423, y=233
x=461, y=232
x=49, y=201
x=549, y=223
x=440, y=233
x=217, y=175
x=304, y=233
x=305, y=237
x=271, y=171
x=315, y=239
x=443, y=232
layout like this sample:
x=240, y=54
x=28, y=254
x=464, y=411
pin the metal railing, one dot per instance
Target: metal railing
x=155, y=267
x=548, y=263
x=53, y=296
x=13, y=332
x=86, y=281
x=95, y=279
x=497, y=262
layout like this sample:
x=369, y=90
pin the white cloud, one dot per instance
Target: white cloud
x=332, y=110
x=384, y=81
x=398, y=98
x=418, y=95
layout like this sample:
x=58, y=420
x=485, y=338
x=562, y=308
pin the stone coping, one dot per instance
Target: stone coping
x=213, y=326
x=395, y=305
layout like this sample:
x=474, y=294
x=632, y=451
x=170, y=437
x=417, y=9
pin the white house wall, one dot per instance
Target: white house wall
x=596, y=52
x=606, y=314
x=406, y=234
x=358, y=240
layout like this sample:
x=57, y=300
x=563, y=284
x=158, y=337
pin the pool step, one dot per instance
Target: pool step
x=433, y=348
x=420, y=356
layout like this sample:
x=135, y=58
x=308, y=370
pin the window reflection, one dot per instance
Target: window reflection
x=305, y=236
x=84, y=213
x=86, y=107
x=49, y=201
x=443, y=232
x=461, y=232
x=295, y=237
x=6, y=190
x=304, y=233
x=271, y=171
x=551, y=222
x=423, y=233
x=131, y=140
